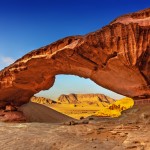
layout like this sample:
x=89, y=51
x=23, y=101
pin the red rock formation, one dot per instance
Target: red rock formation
x=116, y=57
x=142, y=101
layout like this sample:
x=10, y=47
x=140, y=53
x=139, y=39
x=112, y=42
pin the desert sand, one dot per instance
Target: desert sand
x=84, y=105
x=39, y=113
x=131, y=131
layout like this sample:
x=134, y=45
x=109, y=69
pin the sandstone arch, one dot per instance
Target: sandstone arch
x=116, y=57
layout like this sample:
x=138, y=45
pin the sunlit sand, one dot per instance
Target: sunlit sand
x=91, y=107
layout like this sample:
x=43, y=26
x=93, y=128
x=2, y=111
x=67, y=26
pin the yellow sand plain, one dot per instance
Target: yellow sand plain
x=100, y=109
x=115, y=109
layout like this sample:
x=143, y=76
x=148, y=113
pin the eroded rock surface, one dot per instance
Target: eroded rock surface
x=131, y=131
x=42, y=100
x=116, y=57
x=84, y=98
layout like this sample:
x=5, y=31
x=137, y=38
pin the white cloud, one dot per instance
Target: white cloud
x=5, y=61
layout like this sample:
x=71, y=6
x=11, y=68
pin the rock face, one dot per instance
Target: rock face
x=116, y=57
x=42, y=100
x=85, y=98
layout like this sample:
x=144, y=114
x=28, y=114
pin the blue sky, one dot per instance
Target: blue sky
x=30, y=24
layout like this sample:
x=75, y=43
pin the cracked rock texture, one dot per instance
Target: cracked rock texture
x=116, y=57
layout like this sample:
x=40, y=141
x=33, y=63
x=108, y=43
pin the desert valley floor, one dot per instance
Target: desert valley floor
x=131, y=131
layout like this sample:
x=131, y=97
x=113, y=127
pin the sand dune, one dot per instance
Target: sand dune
x=39, y=113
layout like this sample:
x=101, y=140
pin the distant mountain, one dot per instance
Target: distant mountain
x=89, y=99
x=42, y=100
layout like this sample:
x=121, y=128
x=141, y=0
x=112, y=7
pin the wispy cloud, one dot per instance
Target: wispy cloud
x=5, y=61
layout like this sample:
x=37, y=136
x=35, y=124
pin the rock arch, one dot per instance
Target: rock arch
x=116, y=57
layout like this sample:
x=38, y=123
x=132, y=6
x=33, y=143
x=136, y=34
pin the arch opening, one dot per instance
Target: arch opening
x=79, y=98
x=67, y=84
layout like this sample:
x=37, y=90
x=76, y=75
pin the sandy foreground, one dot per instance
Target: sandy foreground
x=130, y=131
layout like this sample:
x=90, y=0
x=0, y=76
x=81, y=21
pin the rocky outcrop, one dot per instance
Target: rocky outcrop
x=42, y=100
x=116, y=57
x=85, y=98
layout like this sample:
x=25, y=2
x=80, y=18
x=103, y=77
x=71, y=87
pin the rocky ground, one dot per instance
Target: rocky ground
x=130, y=131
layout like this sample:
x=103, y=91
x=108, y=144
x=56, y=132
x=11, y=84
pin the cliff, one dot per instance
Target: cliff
x=42, y=100
x=90, y=99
